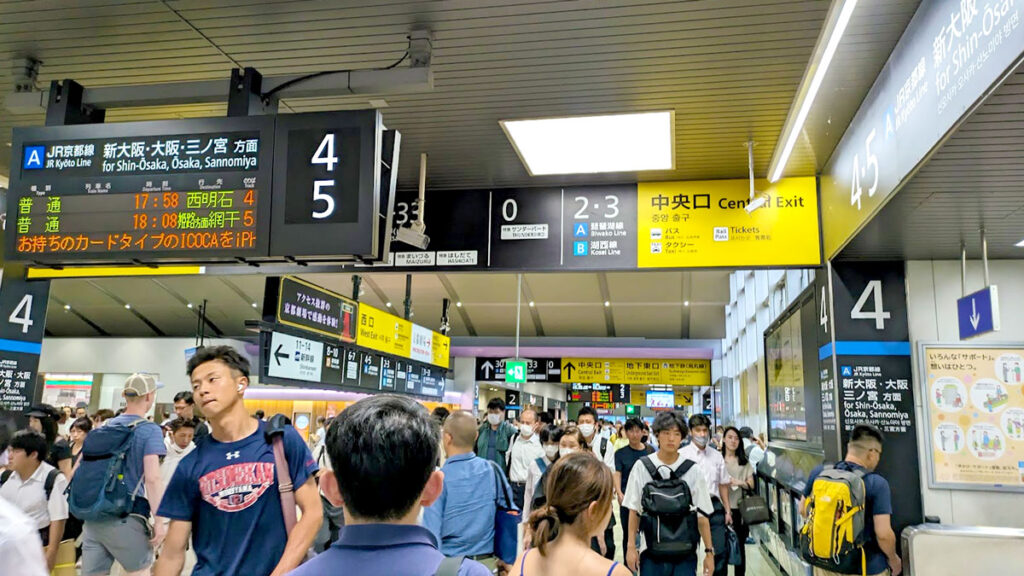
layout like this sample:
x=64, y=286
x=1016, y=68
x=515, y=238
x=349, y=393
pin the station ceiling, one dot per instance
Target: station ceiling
x=662, y=305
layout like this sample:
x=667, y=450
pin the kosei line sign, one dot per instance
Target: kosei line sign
x=951, y=53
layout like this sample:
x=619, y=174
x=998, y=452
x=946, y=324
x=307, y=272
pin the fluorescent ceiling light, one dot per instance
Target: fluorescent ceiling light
x=1020, y=244
x=591, y=144
x=831, y=45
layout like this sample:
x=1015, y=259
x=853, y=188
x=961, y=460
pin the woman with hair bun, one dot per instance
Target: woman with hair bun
x=579, y=490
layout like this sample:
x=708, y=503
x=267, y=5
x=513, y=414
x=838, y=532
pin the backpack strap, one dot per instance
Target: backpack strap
x=450, y=566
x=604, y=448
x=508, y=453
x=542, y=465
x=649, y=464
x=275, y=436
x=4, y=476
x=683, y=469
x=51, y=479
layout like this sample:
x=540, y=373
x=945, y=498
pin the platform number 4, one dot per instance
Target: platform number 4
x=22, y=314
x=324, y=155
x=824, y=310
x=873, y=291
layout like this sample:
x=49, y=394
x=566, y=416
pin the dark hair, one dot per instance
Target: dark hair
x=179, y=423
x=700, y=420
x=572, y=484
x=259, y=414
x=746, y=432
x=30, y=441
x=667, y=421
x=549, y=434
x=83, y=424
x=383, y=449
x=103, y=415
x=741, y=454
x=587, y=411
x=186, y=396
x=7, y=429
x=866, y=431
x=545, y=418
x=633, y=424
x=225, y=354
x=49, y=429
x=496, y=404
x=573, y=430
x=440, y=414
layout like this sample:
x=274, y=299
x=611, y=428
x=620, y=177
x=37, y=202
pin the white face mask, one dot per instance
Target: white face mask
x=563, y=452
x=551, y=451
x=587, y=430
x=525, y=430
x=494, y=419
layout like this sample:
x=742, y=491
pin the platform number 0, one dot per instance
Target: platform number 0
x=324, y=155
x=874, y=291
x=22, y=314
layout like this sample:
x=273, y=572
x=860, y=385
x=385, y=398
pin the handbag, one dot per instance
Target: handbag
x=733, y=546
x=506, y=520
x=754, y=509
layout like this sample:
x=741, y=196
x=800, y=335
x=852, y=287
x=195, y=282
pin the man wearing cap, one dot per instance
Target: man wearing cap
x=131, y=541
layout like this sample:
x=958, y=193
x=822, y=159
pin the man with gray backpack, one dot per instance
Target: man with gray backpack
x=116, y=485
x=670, y=507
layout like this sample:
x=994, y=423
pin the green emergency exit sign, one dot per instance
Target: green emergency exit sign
x=631, y=410
x=515, y=372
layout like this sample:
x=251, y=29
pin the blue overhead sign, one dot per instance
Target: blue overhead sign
x=978, y=313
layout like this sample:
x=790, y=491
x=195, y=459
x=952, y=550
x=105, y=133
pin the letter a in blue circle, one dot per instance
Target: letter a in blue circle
x=33, y=157
x=581, y=230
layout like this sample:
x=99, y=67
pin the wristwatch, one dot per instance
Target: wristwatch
x=709, y=551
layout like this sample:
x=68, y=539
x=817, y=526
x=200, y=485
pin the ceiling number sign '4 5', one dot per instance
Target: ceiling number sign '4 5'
x=324, y=155
x=860, y=172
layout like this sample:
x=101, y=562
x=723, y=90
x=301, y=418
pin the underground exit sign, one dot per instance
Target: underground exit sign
x=515, y=372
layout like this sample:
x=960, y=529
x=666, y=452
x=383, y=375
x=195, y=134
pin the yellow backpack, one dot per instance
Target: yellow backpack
x=833, y=537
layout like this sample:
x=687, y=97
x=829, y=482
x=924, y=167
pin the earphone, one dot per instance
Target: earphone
x=239, y=387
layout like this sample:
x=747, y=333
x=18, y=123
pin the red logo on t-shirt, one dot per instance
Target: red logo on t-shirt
x=237, y=486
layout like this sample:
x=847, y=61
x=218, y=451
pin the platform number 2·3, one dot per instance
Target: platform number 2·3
x=860, y=173
x=872, y=291
x=324, y=155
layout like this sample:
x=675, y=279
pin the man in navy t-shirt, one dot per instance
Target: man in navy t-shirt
x=226, y=490
x=383, y=451
x=863, y=453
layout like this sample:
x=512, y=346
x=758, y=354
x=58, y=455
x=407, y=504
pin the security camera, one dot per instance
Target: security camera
x=412, y=237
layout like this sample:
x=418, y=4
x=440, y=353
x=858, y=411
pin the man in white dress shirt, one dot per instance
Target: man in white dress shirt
x=525, y=449
x=712, y=464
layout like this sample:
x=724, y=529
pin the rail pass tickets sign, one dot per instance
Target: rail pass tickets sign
x=704, y=224
x=182, y=190
x=975, y=399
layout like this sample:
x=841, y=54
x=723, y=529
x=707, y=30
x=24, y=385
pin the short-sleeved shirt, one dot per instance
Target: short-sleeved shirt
x=59, y=450
x=30, y=496
x=604, y=450
x=640, y=477
x=741, y=473
x=229, y=492
x=147, y=439
x=712, y=463
x=878, y=499
x=625, y=458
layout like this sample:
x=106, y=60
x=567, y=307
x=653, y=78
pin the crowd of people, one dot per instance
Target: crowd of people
x=383, y=487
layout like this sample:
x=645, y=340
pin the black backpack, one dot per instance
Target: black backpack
x=669, y=525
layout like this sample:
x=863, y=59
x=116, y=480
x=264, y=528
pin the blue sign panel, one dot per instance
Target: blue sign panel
x=978, y=313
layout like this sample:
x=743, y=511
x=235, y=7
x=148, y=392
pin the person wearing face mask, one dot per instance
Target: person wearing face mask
x=712, y=464
x=495, y=435
x=462, y=517
x=625, y=458
x=603, y=448
x=526, y=448
x=549, y=437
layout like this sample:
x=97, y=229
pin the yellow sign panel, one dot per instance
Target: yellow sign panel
x=637, y=371
x=384, y=332
x=975, y=399
x=703, y=224
x=684, y=397
x=387, y=333
x=440, y=346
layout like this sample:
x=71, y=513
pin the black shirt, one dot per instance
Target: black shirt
x=60, y=450
x=626, y=457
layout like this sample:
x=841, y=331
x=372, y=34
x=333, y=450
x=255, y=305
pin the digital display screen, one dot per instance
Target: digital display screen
x=140, y=192
x=663, y=399
x=791, y=364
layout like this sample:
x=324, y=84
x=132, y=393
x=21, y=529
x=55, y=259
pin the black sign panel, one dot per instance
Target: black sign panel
x=182, y=190
x=333, y=369
x=538, y=370
x=601, y=393
x=432, y=382
x=370, y=375
x=22, y=318
x=310, y=307
x=873, y=373
x=327, y=169
x=584, y=227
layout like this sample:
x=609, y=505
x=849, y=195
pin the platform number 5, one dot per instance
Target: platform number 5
x=22, y=314
x=873, y=291
x=324, y=155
